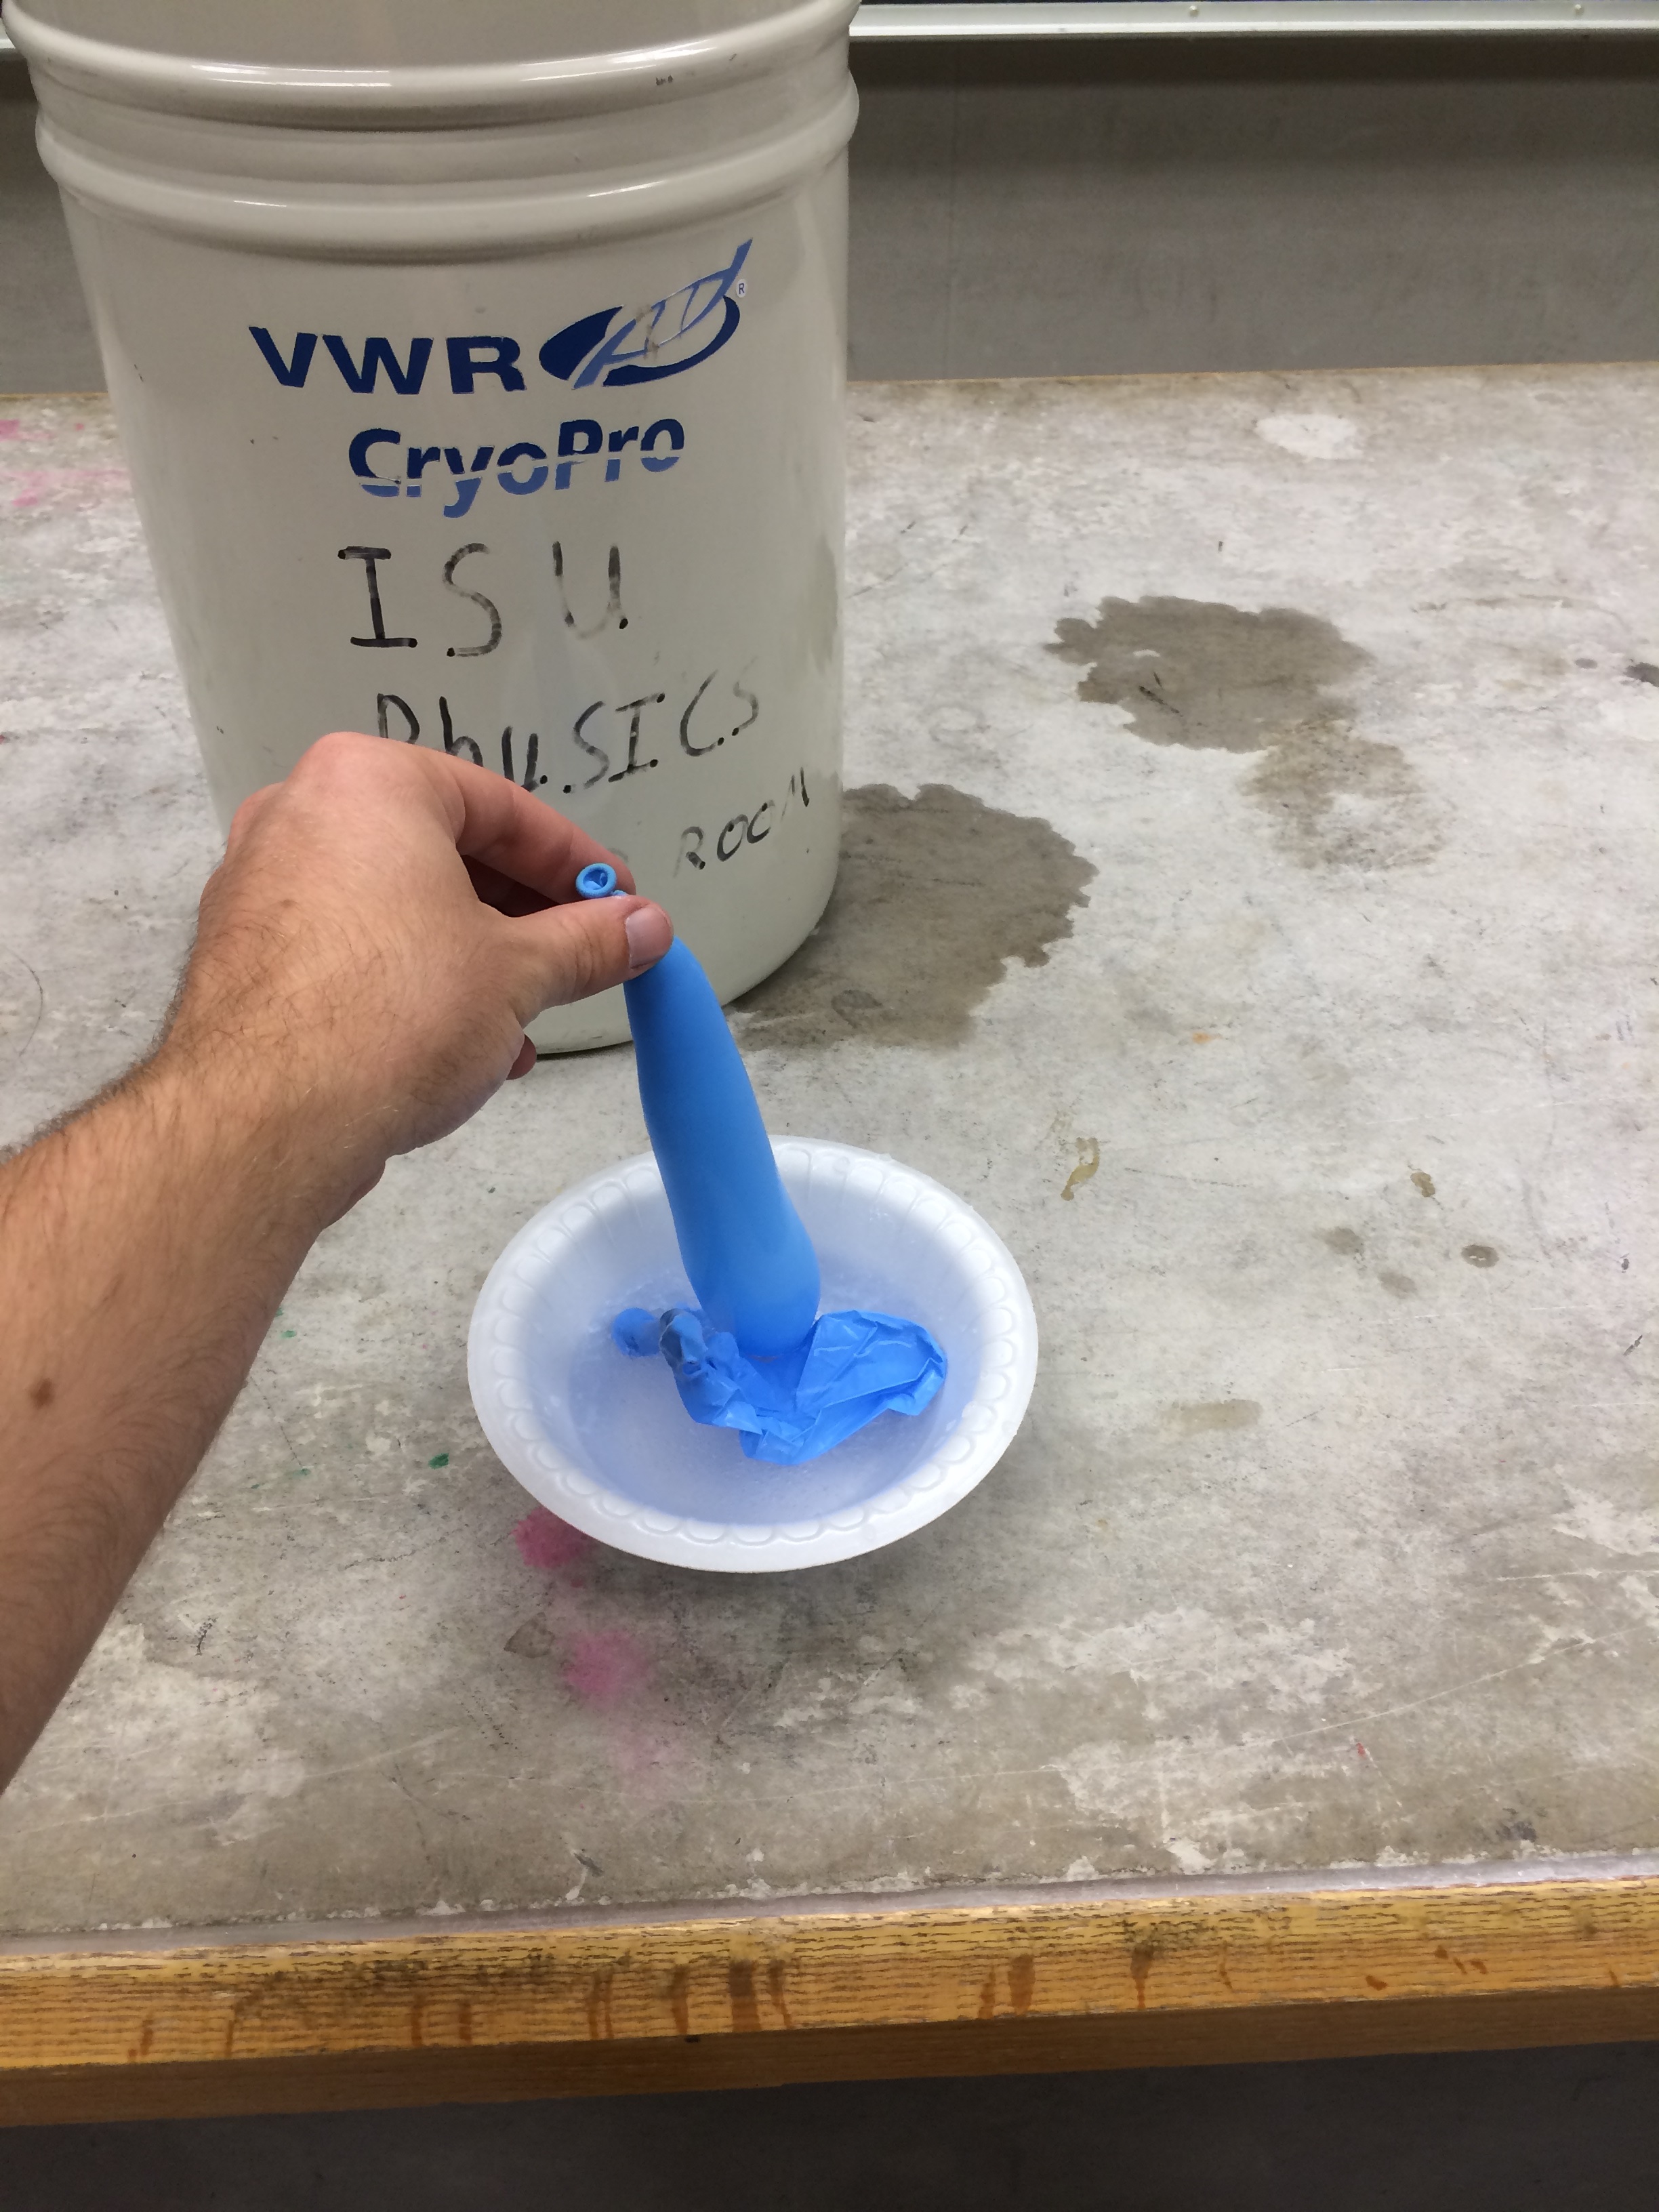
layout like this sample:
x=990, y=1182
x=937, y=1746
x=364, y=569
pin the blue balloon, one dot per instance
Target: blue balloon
x=745, y=1250
x=748, y=1257
x=750, y=1260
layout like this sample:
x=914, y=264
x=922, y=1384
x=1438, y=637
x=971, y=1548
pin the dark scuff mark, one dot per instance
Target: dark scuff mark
x=1215, y=677
x=1140, y=1965
x=22, y=1007
x=822, y=626
x=601, y=2026
x=740, y=1984
x=936, y=895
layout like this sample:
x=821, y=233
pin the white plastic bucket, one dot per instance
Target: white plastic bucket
x=603, y=1440
x=481, y=371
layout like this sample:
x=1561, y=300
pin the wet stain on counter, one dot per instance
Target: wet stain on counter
x=1201, y=673
x=1213, y=677
x=937, y=895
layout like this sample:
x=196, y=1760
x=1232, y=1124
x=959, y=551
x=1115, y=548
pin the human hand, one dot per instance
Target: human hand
x=384, y=924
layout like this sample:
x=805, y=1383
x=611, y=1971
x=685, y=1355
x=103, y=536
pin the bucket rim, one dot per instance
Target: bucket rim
x=436, y=96
x=538, y=216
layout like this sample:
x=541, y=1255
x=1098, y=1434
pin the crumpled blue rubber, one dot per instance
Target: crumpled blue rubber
x=851, y=1367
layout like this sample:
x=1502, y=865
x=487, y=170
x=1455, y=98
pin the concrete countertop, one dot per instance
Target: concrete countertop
x=1249, y=905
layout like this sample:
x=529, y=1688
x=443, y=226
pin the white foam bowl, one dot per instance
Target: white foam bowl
x=603, y=1441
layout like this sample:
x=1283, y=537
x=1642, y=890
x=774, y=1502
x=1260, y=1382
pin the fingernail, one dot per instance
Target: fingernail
x=650, y=934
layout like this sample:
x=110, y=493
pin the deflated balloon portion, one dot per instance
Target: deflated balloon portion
x=851, y=1367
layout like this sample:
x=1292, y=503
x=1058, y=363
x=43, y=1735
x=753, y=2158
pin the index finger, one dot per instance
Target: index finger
x=505, y=828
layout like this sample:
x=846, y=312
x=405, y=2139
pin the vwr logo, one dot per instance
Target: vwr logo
x=664, y=339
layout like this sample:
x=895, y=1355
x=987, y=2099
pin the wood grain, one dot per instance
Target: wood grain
x=717, y=2002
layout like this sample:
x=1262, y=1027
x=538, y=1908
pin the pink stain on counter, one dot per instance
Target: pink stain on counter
x=607, y=1667
x=546, y=1543
x=29, y=487
x=10, y=427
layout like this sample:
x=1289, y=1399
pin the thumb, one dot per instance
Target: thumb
x=569, y=952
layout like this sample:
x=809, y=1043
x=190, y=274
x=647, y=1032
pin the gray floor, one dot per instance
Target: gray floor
x=1500, y=2131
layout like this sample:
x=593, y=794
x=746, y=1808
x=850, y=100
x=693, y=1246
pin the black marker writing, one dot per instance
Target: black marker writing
x=531, y=746
x=467, y=746
x=594, y=752
x=686, y=745
x=369, y=555
x=613, y=606
x=488, y=606
x=740, y=690
x=742, y=830
x=386, y=700
x=396, y=719
x=636, y=766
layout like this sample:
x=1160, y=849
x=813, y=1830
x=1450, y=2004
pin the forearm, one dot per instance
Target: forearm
x=143, y=1249
x=384, y=924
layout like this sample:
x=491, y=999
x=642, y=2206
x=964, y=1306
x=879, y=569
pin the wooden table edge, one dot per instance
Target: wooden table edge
x=705, y=1999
